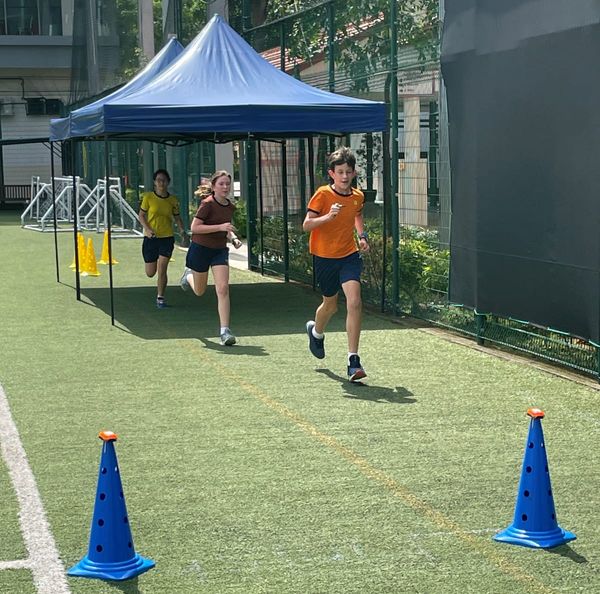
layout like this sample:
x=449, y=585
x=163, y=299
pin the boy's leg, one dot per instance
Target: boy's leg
x=325, y=312
x=354, y=314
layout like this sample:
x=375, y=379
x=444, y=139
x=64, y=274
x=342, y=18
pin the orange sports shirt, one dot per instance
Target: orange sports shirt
x=335, y=239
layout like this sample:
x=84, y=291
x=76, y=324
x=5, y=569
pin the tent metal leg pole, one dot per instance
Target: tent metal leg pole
x=284, y=192
x=261, y=209
x=394, y=157
x=75, y=221
x=54, y=211
x=108, y=231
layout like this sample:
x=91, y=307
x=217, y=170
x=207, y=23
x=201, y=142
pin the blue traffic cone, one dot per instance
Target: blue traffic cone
x=534, y=524
x=111, y=555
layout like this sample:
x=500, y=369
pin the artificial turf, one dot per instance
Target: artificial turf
x=257, y=468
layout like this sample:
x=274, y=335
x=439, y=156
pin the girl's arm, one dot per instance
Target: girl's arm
x=198, y=227
x=143, y=219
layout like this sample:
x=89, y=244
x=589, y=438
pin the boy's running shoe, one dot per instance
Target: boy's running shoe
x=183, y=281
x=355, y=370
x=161, y=303
x=227, y=338
x=316, y=345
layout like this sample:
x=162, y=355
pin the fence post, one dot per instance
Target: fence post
x=480, y=320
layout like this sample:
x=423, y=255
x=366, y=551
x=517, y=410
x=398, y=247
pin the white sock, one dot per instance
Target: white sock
x=350, y=355
x=224, y=329
x=316, y=334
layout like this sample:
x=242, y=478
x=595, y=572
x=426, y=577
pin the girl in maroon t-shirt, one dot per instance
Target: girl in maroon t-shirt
x=211, y=228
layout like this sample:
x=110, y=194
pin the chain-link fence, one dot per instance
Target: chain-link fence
x=346, y=47
x=407, y=268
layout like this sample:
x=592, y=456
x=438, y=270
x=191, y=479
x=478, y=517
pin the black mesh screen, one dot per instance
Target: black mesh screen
x=524, y=133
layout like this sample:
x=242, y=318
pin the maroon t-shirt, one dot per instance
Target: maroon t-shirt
x=210, y=212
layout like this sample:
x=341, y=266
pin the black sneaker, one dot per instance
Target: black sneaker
x=355, y=370
x=316, y=345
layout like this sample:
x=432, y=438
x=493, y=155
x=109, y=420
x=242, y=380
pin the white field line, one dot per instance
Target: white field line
x=44, y=562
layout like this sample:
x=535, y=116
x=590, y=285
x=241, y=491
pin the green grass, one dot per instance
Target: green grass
x=260, y=469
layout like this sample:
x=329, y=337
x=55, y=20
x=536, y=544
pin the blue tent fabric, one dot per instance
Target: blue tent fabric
x=87, y=120
x=220, y=88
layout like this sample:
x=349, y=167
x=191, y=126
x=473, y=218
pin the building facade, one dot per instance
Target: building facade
x=35, y=70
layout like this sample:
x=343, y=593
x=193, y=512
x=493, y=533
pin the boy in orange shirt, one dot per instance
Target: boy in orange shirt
x=334, y=213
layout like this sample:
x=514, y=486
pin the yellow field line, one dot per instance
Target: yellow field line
x=487, y=549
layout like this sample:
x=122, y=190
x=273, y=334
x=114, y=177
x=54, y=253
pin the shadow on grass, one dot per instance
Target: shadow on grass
x=363, y=391
x=257, y=309
x=238, y=349
x=127, y=587
x=566, y=551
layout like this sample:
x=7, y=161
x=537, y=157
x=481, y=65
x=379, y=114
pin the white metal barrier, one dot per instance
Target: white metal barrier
x=91, y=207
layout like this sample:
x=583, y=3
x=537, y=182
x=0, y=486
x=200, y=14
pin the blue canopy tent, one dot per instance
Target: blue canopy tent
x=87, y=120
x=220, y=89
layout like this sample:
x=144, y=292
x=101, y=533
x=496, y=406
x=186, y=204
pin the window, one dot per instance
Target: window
x=22, y=17
x=30, y=17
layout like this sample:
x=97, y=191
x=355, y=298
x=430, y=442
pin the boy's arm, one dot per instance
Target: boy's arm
x=363, y=238
x=314, y=220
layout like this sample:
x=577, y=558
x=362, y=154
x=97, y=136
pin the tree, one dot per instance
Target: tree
x=362, y=42
x=127, y=30
x=193, y=18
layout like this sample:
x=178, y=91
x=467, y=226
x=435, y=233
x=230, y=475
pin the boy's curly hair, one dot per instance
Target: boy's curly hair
x=341, y=156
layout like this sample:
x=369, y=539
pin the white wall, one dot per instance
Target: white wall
x=23, y=161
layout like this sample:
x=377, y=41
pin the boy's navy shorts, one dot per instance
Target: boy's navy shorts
x=332, y=273
x=200, y=258
x=153, y=247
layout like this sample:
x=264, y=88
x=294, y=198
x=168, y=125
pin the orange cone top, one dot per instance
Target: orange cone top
x=107, y=436
x=535, y=413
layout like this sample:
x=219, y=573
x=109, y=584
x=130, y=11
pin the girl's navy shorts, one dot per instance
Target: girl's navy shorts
x=200, y=258
x=153, y=247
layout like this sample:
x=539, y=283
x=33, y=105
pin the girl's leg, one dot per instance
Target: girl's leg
x=163, y=263
x=198, y=281
x=150, y=269
x=354, y=315
x=221, y=277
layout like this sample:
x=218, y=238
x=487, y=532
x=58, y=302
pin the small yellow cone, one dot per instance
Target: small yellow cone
x=81, y=250
x=104, y=257
x=91, y=269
